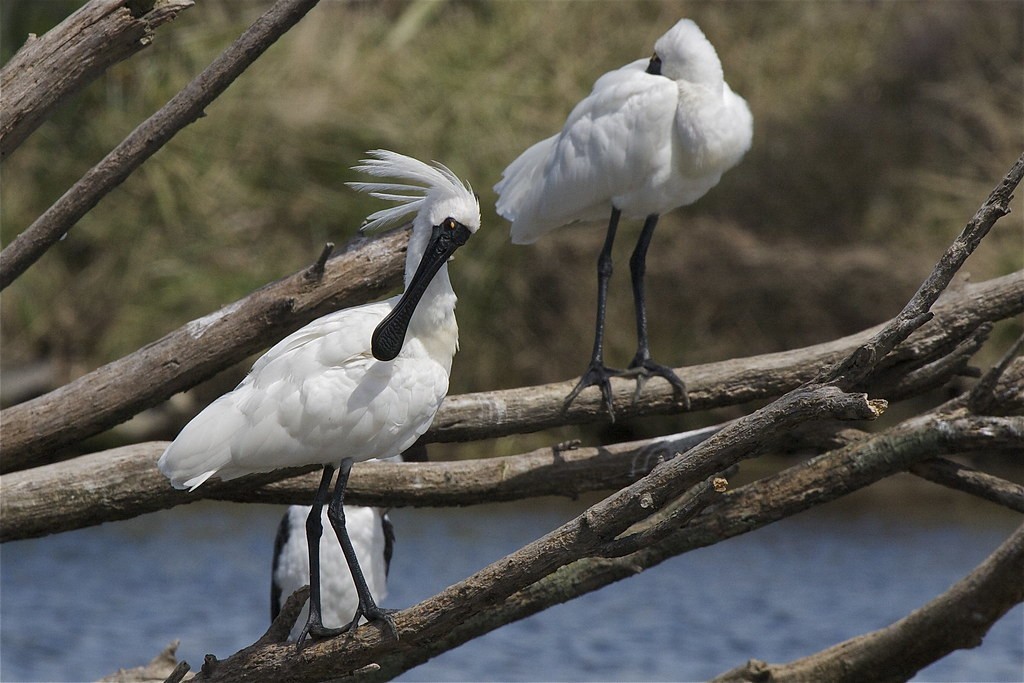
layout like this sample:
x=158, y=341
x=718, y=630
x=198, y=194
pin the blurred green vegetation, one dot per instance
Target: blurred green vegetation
x=879, y=129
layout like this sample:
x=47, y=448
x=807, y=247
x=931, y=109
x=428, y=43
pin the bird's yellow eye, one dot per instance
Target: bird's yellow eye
x=449, y=223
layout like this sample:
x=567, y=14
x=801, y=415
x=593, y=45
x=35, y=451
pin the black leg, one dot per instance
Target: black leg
x=596, y=372
x=642, y=366
x=336, y=514
x=314, y=528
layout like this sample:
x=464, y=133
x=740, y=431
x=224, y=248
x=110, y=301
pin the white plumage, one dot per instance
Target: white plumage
x=652, y=136
x=363, y=382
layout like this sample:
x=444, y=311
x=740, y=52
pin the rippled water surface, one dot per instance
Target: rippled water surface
x=80, y=605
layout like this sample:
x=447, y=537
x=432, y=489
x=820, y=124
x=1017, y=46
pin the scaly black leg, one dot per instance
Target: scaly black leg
x=336, y=514
x=642, y=366
x=596, y=372
x=314, y=528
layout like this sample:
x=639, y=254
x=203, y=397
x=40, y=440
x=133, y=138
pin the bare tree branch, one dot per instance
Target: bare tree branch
x=34, y=431
x=960, y=477
x=68, y=57
x=37, y=430
x=123, y=483
x=147, y=138
x=957, y=619
x=983, y=396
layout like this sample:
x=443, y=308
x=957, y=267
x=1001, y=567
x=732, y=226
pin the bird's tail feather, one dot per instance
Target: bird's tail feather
x=204, y=446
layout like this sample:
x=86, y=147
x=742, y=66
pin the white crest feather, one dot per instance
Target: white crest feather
x=434, y=178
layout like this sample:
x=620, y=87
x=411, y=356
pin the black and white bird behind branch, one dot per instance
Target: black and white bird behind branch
x=373, y=538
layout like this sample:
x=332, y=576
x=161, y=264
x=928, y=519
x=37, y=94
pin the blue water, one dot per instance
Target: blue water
x=80, y=605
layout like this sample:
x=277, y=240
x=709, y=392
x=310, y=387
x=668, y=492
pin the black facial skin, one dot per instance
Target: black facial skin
x=654, y=67
x=389, y=336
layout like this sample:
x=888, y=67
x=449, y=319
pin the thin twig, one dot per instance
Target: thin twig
x=315, y=272
x=960, y=477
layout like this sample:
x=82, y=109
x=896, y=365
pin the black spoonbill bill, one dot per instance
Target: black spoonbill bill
x=654, y=135
x=360, y=383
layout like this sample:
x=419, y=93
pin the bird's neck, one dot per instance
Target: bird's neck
x=433, y=322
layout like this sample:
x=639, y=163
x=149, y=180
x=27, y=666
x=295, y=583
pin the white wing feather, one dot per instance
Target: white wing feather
x=610, y=144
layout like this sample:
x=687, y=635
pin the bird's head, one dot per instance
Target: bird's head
x=447, y=214
x=685, y=54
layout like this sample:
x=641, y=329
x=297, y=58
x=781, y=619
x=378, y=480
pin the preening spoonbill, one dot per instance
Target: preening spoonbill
x=360, y=383
x=373, y=537
x=652, y=135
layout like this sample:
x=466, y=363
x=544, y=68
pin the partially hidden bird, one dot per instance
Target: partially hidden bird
x=363, y=382
x=373, y=538
x=653, y=135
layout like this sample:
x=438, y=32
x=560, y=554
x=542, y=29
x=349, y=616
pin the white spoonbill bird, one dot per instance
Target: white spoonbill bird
x=373, y=537
x=360, y=383
x=653, y=135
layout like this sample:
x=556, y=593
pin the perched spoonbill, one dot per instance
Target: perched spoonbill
x=360, y=383
x=373, y=537
x=653, y=135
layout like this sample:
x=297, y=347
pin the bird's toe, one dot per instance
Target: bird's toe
x=644, y=369
x=596, y=375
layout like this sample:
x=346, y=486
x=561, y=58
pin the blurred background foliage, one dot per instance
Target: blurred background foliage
x=879, y=129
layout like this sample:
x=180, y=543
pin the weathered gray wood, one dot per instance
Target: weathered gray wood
x=960, y=477
x=152, y=134
x=50, y=68
x=35, y=431
x=123, y=482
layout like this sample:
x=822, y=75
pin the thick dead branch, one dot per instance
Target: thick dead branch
x=957, y=619
x=34, y=431
x=858, y=366
x=152, y=134
x=124, y=483
x=48, y=69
